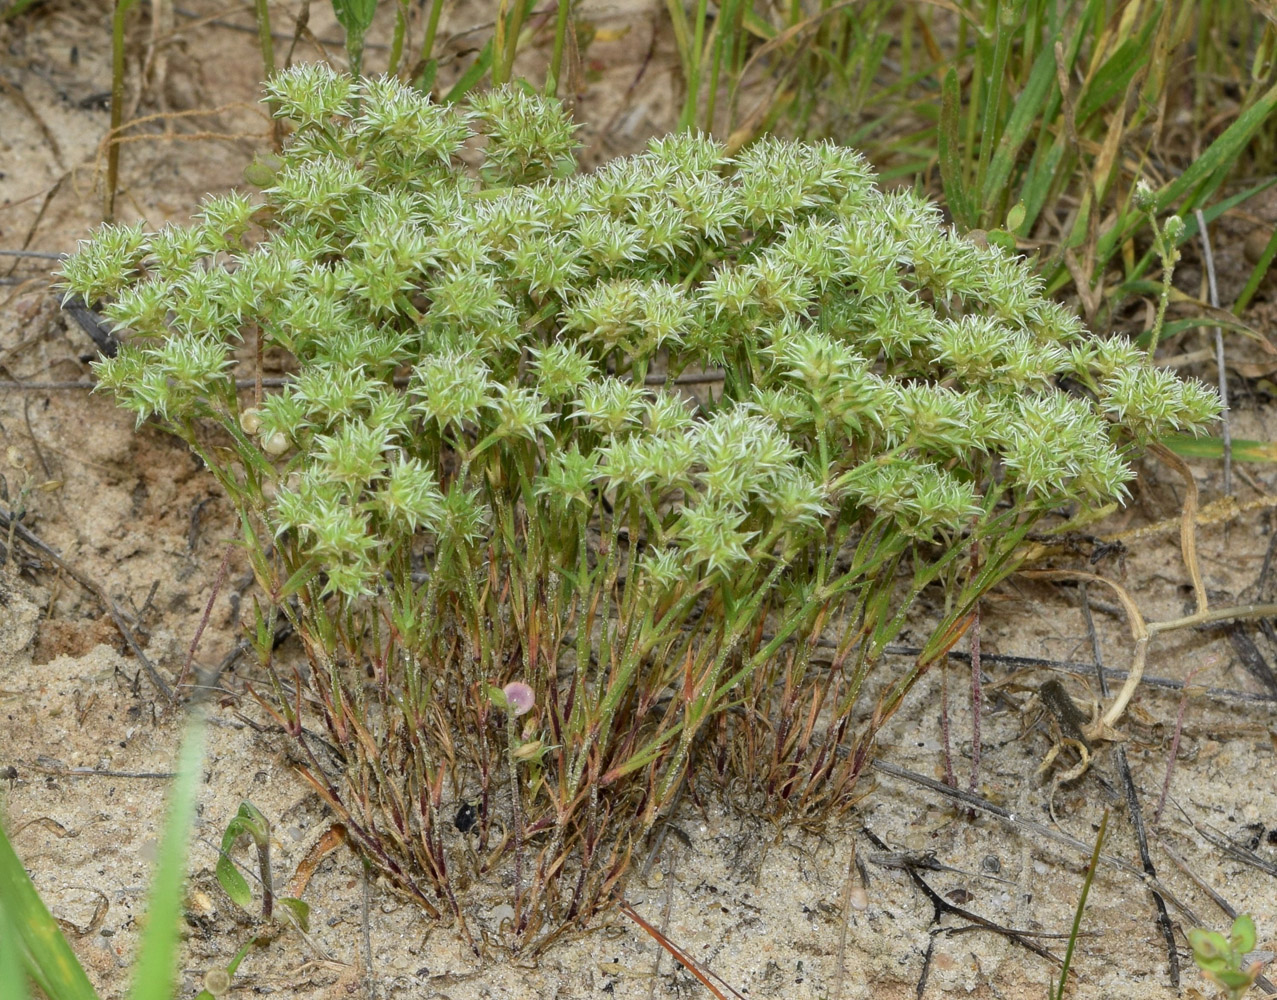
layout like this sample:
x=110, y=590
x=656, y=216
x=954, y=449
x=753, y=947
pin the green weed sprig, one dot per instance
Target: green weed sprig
x=1220, y=958
x=483, y=472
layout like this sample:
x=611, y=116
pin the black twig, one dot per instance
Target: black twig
x=1132, y=801
x=943, y=906
x=89, y=772
x=1026, y=825
x=1250, y=656
x=1230, y=847
x=1110, y=673
x=1200, y=882
x=92, y=324
x=1057, y=836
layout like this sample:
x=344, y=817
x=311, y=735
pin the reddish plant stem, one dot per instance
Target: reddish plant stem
x=208, y=610
x=949, y=778
x=1170, y=763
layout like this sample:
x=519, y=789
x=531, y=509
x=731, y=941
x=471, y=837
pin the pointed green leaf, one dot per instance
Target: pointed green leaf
x=1242, y=936
x=355, y=15
x=232, y=882
x=1213, y=447
x=950, y=160
x=297, y=911
x=37, y=939
x=157, y=956
x=13, y=979
x=1024, y=118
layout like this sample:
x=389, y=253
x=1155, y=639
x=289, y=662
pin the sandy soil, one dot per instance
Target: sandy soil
x=777, y=911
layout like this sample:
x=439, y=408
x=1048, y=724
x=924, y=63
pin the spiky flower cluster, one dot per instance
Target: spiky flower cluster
x=873, y=358
x=485, y=364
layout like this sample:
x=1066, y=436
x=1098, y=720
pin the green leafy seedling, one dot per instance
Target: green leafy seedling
x=250, y=822
x=1220, y=958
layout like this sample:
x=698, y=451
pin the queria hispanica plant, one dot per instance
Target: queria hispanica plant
x=533, y=578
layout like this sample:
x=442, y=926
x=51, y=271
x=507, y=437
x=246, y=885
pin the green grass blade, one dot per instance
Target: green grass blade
x=950, y=158
x=1008, y=17
x=1213, y=448
x=1114, y=75
x=1028, y=104
x=759, y=26
x=471, y=77
x=1044, y=173
x=13, y=980
x=1048, y=168
x=1221, y=207
x=37, y=940
x=1081, y=905
x=1257, y=274
x=1223, y=152
x=682, y=36
x=157, y=956
x=1177, y=327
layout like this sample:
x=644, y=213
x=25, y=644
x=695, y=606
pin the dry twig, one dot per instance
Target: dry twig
x=1133, y=806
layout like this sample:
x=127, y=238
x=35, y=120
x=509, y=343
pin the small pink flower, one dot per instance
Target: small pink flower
x=519, y=697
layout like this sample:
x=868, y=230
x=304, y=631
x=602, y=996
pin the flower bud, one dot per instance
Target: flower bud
x=250, y=421
x=530, y=750
x=217, y=982
x=519, y=697
x=276, y=444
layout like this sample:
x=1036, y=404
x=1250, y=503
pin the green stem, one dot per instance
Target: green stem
x=396, y=42
x=428, y=43
x=696, y=52
x=508, y=27
x=1005, y=24
x=1081, y=905
x=117, y=104
x=265, y=42
x=556, y=57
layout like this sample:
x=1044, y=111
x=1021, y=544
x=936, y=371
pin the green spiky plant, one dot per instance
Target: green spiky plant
x=529, y=570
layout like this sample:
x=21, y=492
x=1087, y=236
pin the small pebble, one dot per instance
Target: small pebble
x=1256, y=243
